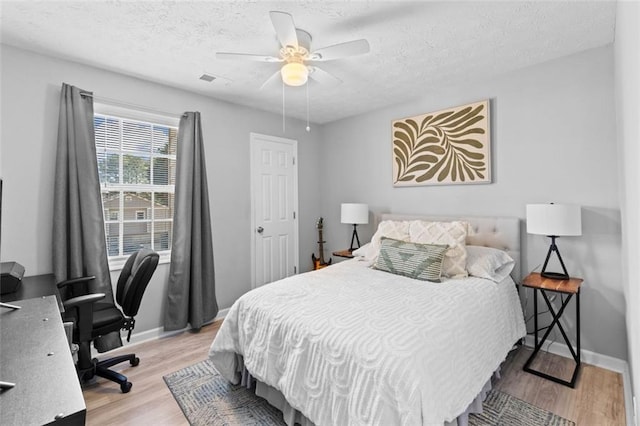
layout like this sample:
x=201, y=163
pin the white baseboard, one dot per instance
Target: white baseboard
x=599, y=360
x=221, y=314
x=157, y=333
x=593, y=358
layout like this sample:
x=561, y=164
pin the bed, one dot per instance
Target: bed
x=352, y=344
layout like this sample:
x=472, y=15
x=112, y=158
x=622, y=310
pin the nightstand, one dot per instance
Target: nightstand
x=567, y=288
x=344, y=253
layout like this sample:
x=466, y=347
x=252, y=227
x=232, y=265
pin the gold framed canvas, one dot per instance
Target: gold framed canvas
x=451, y=146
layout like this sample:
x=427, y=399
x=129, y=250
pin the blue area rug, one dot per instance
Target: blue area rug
x=206, y=398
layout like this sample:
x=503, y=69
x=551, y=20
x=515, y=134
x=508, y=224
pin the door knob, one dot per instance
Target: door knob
x=260, y=229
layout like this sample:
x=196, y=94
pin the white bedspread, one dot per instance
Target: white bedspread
x=349, y=345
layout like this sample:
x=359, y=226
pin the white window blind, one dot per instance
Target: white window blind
x=137, y=165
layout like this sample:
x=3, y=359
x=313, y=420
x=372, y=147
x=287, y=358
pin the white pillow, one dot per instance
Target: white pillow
x=365, y=251
x=488, y=262
x=396, y=229
x=453, y=234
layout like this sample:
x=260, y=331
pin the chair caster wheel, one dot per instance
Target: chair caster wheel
x=135, y=361
x=126, y=387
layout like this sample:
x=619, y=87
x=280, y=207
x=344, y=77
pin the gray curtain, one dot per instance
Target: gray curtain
x=79, y=247
x=191, y=296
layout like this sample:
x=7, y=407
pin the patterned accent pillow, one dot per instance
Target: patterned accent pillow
x=396, y=229
x=453, y=234
x=489, y=263
x=418, y=261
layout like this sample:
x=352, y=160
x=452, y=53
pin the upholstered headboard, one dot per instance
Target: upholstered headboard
x=499, y=232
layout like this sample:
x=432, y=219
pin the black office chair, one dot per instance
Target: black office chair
x=93, y=319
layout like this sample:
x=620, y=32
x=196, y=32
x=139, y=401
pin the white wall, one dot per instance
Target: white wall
x=627, y=87
x=30, y=85
x=553, y=136
x=553, y=128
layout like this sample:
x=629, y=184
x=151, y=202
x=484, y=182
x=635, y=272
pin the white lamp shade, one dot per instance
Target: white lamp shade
x=354, y=213
x=554, y=219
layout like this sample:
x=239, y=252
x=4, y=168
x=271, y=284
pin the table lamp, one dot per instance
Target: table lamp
x=554, y=220
x=354, y=214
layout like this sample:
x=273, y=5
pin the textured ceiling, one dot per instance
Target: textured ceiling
x=415, y=46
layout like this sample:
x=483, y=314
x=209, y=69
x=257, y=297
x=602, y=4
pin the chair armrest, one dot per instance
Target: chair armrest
x=75, y=281
x=82, y=300
x=83, y=308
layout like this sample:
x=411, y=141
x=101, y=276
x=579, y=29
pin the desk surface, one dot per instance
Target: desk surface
x=35, y=286
x=36, y=357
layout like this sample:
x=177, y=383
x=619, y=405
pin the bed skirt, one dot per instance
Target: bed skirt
x=293, y=417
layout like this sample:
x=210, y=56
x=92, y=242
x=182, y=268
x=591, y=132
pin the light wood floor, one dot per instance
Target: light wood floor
x=597, y=399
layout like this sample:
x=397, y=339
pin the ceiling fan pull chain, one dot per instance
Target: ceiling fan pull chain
x=283, y=107
x=308, y=128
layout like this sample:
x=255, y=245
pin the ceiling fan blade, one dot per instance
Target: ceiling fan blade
x=323, y=77
x=341, y=50
x=270, y=79
x=247, y=57
x=285, y=28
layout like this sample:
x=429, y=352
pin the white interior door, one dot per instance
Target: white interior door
x=274, y=204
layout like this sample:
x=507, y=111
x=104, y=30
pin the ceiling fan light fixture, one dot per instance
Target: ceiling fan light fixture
x=294, y=74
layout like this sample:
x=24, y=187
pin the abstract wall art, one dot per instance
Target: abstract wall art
x=451, y=146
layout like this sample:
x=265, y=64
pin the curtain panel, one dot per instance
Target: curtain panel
x=191, y=296
x=79, y=245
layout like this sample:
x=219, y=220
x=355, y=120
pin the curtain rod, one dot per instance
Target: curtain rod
x=129, y=105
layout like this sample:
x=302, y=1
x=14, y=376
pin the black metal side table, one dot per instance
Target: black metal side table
x=569, y=288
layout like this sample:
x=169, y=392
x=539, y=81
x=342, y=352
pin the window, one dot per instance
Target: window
x=137, y=165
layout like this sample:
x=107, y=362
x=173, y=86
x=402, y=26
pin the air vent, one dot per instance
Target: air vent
x=215, y=80
x=207, y=77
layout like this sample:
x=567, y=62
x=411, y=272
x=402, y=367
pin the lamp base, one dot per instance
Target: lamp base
x=354, y=236
x=555, y=275
x=564, y=275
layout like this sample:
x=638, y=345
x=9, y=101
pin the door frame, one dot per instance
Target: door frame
x=252, y=169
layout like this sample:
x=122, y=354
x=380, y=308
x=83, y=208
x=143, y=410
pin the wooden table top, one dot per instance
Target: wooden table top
x=343, y=253
x=535, y=280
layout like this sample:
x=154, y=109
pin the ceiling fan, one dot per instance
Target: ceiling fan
x=296, y=54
